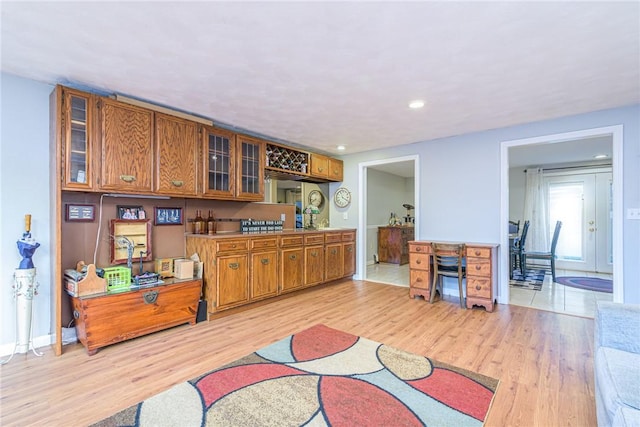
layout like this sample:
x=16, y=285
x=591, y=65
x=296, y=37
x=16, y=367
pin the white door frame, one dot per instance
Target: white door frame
x=616, y=132
x=361, y=267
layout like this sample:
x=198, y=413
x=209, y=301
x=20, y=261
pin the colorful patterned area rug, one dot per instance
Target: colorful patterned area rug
x=533, y=280
x=587, y=283
x=321, y=377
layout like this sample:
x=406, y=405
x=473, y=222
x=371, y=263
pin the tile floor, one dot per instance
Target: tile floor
x=553, y=296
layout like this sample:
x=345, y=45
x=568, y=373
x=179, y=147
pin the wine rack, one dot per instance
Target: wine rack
x=287, y=159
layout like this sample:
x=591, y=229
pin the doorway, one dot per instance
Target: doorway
x=615, y=133
x=372, y=203
x=583, y=202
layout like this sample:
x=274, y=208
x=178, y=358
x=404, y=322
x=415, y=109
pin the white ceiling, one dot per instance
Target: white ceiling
x=327, y=73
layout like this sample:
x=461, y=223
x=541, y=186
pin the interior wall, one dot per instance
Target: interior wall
x=387, y=194
x=516, y=194
x=467, y=206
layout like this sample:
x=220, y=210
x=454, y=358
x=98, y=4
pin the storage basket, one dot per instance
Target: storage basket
x=118, y=278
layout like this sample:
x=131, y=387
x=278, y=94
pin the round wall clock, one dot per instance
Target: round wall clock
x=316, y=198
x=342, y=197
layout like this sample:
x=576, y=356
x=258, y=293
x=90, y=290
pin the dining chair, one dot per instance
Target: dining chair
x=548, y=256
x=448, y=260
x=517, y=247
x=514, y=227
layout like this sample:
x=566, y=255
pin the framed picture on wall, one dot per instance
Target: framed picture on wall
x=131, y=212
x=80, y=213
x=168, y=216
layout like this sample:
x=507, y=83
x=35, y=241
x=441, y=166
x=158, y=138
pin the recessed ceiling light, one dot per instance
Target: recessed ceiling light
x=600, y=156
x=341, y=147
x=416, y=104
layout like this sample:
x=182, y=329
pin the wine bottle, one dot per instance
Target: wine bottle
x=211, y=223
x=199, y=222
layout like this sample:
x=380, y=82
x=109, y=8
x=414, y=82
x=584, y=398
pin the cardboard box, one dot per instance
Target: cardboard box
x=183, y=269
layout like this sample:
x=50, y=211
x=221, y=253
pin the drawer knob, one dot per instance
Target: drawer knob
x=478, y=287
x=76, y=315
x=264, y=261
x=418, y=261
x=478, y=267
x=234, y=266
x=150, y=297
x=478, y=253
x=233, y=246
x=127, y=178
x=314, y=254
x=292, y=257
x=334, y=251
x=418, y=279
x=418, y=249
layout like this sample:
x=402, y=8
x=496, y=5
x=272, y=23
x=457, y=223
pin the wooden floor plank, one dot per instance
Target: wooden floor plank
x=544, y=360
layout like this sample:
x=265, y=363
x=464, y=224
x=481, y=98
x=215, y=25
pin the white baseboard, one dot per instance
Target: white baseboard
x=43, y=341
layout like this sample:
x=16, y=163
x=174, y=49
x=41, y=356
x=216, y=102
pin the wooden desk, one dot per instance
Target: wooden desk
x=482, y=272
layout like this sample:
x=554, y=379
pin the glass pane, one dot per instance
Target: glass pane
x=566, y=204
x=218, y=163
x=78, y=141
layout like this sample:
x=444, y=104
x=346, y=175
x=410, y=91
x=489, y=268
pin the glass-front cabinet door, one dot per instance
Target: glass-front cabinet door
x=77, y=119
x=219, y=167
x=250, y=168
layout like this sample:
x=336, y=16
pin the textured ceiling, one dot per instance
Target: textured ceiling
x=329, y=73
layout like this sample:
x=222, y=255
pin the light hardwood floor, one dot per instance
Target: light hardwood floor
x=544, y=360
x=553, y=296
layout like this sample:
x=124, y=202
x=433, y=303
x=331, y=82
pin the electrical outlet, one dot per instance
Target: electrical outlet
x=283, y=217
x=633, y=213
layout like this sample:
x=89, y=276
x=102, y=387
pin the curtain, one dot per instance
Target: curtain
x=535, y=210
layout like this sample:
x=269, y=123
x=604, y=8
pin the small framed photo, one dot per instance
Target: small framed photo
x=80, y=213
x=168, y=216
x=131, y=212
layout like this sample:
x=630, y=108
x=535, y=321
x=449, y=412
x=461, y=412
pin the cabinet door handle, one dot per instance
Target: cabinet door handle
x=320, y=169
x=334, y=251
x=234, y=266
x=349, y=249
x=264, y=261
x=176, y=183
x=314, y=254
x=150, y=297
x=292, y=257
x=127, y=178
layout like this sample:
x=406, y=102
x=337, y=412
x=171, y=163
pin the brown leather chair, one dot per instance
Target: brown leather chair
x=448, y=260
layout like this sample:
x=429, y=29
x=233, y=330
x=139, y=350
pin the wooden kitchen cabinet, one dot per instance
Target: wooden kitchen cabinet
x=349, y=253
x=76, y=133
x=336, y=170
x=219, y=166
x=250, y=160
x=264, y=267
x=334, y=256
x=126, y=154
x=176, y=156
x=319, y=166
x=291, y=263
x=393, y=244
x=313, y=259
x=109, y=318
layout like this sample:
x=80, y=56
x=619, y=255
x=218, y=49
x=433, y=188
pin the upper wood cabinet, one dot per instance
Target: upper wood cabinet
x=319, y=166
x=336, y=170
x=218, y=153
x=250, y=168
x=126, y=155
x=76, y=132
x=176, y=156
x=326, y=168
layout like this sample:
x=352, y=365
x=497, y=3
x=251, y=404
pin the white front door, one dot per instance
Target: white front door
x=583, y=202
